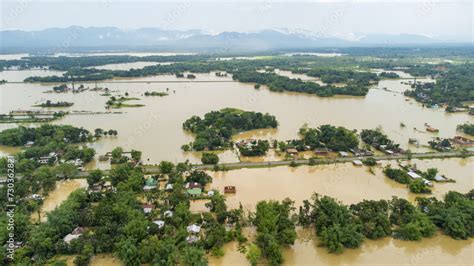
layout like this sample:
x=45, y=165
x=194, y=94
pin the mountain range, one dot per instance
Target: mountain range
x=77, y=38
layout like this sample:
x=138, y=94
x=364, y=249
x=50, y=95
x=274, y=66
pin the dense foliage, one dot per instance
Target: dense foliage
x=378, y=140
x=214, y=131
x=466, y=128
x=331, y=137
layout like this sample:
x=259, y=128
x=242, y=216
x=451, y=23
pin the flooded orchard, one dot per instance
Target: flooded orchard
x=156, y=128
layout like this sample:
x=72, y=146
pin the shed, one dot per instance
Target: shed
x=193, y=229
x=414, y=175
x=357, y=163
x=229, y=189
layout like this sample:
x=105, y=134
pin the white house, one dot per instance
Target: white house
x=414, y=175
x=193, y=229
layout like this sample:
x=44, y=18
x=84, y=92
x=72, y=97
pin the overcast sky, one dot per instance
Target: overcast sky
x=449, y=19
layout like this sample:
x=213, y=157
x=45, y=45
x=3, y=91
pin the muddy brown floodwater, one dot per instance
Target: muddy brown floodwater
x=62, y=191
x=156, y=129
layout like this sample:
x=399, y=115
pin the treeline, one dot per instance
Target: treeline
x=281, y=83
x=330, y=137
x=454, y=86
x=331, y=76
x=214, y=131
x=466, y=128
x=339, y=226
x=378, y=140
x=43, y=134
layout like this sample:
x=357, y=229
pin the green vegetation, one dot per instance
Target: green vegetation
x=331, y=137
x=378, y=140
x=275, y=228
x=466, y=128
x=454, y=215
x=331, y=76
x=389, y=75
x=418, y=186
x=453, y=86
x=214, y=131
x=156, y=93
x=209, y=158
x=50, y=104
x=397, y=174
x=412, y=223
x=255, y=148
x=280, y=83
x=115, y=102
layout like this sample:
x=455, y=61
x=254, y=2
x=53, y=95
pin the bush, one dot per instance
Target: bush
x=209, y=158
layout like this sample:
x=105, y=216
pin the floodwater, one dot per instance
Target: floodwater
x=437, y=250
x=156, y=129
x=62, y=191
x=345, y=182
x=128, y=66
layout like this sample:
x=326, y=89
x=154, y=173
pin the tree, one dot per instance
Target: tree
x=128, y=252
x=193, y=256
x=209, y=158
x=136, y=155
x=66, y=170
x=94, y=176
x=419, y=186
x=253, y=254
x=166, y=167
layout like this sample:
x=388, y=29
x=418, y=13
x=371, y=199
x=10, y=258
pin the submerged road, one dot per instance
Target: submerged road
x=152, y=169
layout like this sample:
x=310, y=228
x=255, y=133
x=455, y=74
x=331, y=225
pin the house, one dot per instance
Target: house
x=413, y=175
x=168, y=213
x=321, y=152
x=389, y=152
x=148, y=208
x=361, y=152
x=432, y=129
x=29, y=144
x=150, y=183
x=343, y=154
x=427, y=182
x=193, y=229
x=211, y=193
x=462, y=141
x=192, y=239
x=169, y=187
x=76, y=233
x=36, y=197
x=159, y=223
x=193, y=188
x=229, y=189
x=292, y=151
x=357, y=163
x=440, y=178
x=51, y=157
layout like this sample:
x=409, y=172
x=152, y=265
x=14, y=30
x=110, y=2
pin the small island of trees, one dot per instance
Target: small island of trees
x=214, y=131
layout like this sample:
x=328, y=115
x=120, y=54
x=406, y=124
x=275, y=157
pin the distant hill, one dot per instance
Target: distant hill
x=76, y=38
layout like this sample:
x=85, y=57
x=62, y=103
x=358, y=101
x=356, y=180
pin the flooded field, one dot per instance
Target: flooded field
x=156, y=129
x=62, y=191
x=344, y=182
x=437, y=250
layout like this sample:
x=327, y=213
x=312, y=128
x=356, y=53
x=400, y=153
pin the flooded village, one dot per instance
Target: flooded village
x=197, y=162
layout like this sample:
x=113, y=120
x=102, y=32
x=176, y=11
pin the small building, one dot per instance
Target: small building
x=192, y=239
x=193, y=229
x=193, y=188
x=440, y=178
x=343, y=154
x=462, y=141
x=292, y=151
x=432, y=129
x=413, y=175
x=36, y=197
x=321, y=152
x=357, y=163
x=29, y=144
x=150, y=183
x=148, y=208
x=51, y=157
x=389, y=152
x=168, y=214
x=210, y=193
x=427, y=182
x=169, y=187
x=229, y=189
x=76, y=233
x=159, y=223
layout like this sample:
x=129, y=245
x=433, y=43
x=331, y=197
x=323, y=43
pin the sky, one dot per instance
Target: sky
x=349, y=19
